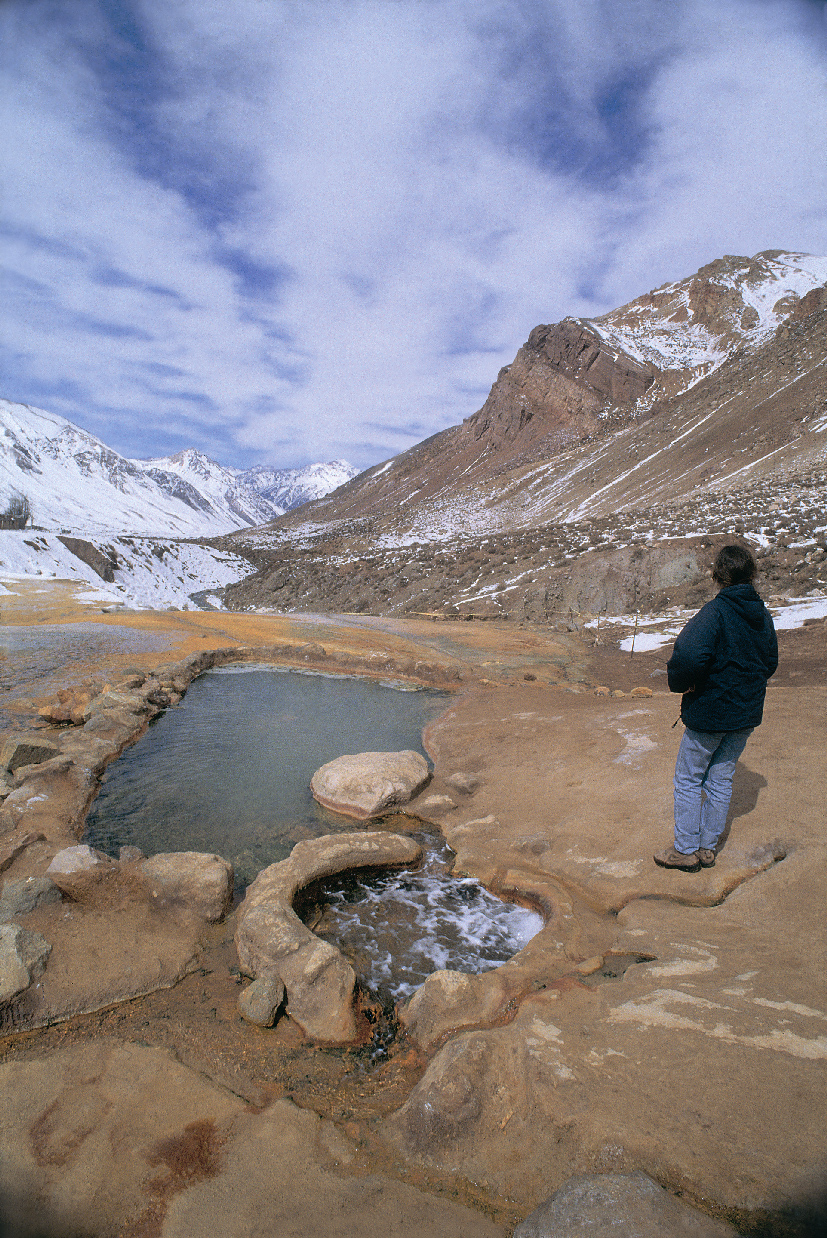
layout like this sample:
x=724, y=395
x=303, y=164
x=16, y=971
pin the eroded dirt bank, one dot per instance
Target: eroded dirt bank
x=662, y=1021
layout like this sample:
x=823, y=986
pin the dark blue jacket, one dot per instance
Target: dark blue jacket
x=722, y=661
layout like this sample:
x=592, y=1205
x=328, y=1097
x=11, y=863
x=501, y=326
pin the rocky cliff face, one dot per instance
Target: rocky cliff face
x=719, y=376
x=563, y=380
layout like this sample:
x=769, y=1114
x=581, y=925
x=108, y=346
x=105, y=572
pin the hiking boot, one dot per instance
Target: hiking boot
x=670, y=858
x=707, y=856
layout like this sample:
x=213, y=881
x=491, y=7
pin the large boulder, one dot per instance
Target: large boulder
x=273, y=943
x=198, y=884
x=366, y=784
x=603, y=1205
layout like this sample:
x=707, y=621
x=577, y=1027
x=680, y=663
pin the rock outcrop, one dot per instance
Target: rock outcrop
x=23, y=956
x=272, y=942
x=561, y=381
x=190, y=882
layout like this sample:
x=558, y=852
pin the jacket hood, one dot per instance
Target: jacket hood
x=745, y=602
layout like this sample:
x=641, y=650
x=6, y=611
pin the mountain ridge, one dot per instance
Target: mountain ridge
x=74, y=483
x=570, y=421
x=592, y=479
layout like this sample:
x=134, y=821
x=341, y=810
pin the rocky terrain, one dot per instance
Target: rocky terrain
x=662, y=1028
x=654, y=1056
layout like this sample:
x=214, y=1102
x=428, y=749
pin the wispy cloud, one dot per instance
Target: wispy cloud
x=286, y=230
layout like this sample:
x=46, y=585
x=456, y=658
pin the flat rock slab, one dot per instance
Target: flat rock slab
x=101, y=955
x=19, y=752
x=23, y=956
x=22, y=896
x=700, y=1058
x=272, y=942
x=366, y=784
x=603, y=1205
x=115, y=1137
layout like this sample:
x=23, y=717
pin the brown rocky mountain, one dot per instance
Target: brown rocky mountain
x=698, y=408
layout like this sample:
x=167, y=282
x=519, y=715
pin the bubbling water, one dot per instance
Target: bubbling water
x=397, y=928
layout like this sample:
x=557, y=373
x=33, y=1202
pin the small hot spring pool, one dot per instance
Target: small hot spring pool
x=228, y=771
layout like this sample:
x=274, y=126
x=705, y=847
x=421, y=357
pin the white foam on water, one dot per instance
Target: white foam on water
x=397, y=928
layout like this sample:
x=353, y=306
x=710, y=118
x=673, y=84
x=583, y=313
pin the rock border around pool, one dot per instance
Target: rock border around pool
x=277, y=949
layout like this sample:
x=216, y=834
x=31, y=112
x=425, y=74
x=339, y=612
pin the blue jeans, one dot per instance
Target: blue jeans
x=703, y=785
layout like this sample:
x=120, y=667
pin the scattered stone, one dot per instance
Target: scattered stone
x=78, y=871
x=466, y=784
x=133, y=702
x=56, y=764
x=601, y=1205
x=115, y=726
x=81, y=858
x=199, y=884
x=23, y=956
x=435, y=804
x=366, y=784
x=21, y=897
x=260, y=1001
x=128, y=855
x=589, y=966
x=69, y=707
x=18, y=752
x=449, y=1001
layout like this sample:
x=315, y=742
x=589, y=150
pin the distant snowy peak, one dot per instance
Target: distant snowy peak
x=289, y=488
x=689, y=327
x=224, y=488
x=74, y=482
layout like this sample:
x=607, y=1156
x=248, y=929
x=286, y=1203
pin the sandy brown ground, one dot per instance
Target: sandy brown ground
x=703, y=1065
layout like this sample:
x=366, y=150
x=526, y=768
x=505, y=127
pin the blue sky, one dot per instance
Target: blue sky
x=293, y=230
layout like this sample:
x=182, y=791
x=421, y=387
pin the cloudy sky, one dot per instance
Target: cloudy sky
x=292, y=230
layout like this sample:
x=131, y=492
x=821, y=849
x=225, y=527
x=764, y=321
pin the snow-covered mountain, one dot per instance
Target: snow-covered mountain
x=289, y=488
x=686, y=329
x=75, y=483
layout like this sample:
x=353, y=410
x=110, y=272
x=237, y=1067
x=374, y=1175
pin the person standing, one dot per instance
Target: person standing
x=721, y=663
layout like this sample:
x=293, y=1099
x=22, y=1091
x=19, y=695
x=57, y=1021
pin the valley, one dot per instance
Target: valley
x=535, y=564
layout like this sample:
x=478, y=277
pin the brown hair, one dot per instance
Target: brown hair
x=734, y=565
